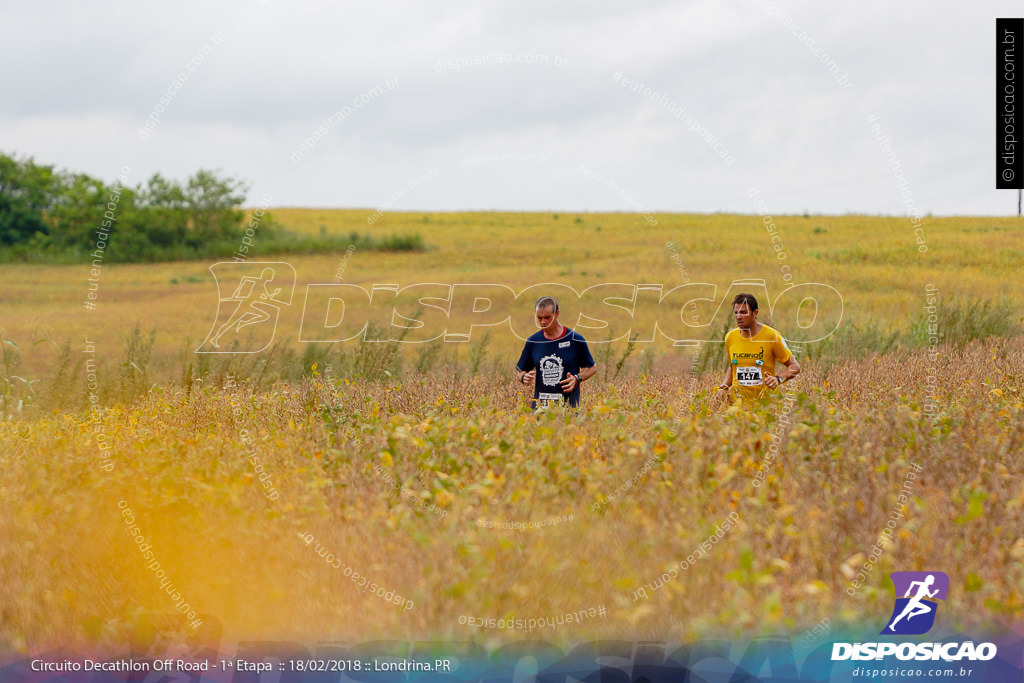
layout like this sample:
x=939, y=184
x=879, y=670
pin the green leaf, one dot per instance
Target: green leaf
x=972, y=583
x=747, y=559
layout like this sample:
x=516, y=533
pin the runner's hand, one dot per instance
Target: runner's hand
x=529, y=377
x=569, y=383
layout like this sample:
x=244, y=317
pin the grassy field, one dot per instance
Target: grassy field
x=873, y=262
x=410, y=477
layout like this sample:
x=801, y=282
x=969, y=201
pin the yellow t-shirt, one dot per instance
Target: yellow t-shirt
x=751, y=359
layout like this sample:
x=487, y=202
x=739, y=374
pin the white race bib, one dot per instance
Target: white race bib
x=545, y=400
x=749, y=377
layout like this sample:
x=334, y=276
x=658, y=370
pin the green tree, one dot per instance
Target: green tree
x=163, y=213
x=213, y=207
x=52, y=214
x=78, y=210
x=26, y=192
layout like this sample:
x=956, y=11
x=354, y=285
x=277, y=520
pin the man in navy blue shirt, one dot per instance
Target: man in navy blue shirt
x=561, y=356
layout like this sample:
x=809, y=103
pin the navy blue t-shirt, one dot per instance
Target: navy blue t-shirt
x=554, y=359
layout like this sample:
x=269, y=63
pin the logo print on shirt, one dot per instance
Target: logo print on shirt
x=550, y=370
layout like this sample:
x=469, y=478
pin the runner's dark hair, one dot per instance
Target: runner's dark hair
x=744, y=298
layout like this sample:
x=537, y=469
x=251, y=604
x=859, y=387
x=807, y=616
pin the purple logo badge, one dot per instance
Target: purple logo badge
x=916, y=596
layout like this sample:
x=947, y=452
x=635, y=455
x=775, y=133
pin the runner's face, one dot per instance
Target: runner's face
x=745, y=318
x=547, y=318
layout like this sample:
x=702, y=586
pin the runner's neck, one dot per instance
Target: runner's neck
x=561, y=333
x=752, y=334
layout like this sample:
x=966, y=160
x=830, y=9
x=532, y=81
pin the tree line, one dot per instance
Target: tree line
x=51, y=215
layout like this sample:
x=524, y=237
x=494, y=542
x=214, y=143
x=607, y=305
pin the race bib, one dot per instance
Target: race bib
x=749, y=377
x=545, y=400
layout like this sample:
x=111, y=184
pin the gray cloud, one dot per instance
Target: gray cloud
x=80, y=81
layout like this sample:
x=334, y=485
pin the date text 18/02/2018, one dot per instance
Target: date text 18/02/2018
x=368, y=665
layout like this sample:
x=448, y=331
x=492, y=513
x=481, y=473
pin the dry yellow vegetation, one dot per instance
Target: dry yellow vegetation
x=619, y=493
x=267, y=504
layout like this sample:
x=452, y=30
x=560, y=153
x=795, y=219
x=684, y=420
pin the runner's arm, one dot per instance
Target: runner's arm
x=728, y=379
x=570, y=383
x=525, y=361
x=524, y=377
x=792, y=369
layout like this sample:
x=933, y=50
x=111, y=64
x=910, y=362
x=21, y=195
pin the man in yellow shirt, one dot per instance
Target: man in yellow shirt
x=753, y=350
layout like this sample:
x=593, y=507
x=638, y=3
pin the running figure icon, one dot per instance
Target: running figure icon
x=250, y=310
x=250, y=299
x=916, y=606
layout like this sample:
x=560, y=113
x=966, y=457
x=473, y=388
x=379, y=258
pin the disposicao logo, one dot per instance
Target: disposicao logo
x=250, y=297
x=913, y=614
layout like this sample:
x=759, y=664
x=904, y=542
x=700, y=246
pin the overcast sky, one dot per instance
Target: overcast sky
x=523, y=105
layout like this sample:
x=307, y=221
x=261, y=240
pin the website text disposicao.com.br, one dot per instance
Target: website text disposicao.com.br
x=950, y=654
x=902, y=673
